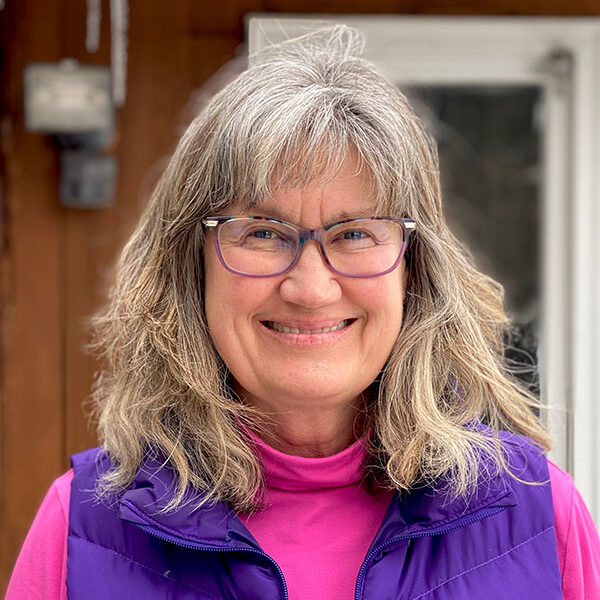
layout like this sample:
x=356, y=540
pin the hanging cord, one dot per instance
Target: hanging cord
x=93, y=21
x=119, y=23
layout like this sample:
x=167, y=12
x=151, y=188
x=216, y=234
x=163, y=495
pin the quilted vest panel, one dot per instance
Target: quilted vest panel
x=498, y=544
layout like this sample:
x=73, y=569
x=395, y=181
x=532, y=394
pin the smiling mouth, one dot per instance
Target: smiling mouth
x=284, y=329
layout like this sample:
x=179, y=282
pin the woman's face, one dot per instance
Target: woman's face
x=312, y=370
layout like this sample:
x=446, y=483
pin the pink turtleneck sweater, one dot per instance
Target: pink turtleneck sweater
x=318, y=528
x=319, y=521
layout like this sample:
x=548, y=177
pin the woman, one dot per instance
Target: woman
x=305, y=395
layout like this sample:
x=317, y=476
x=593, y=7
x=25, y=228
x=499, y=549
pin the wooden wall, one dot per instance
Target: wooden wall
x=55, y=261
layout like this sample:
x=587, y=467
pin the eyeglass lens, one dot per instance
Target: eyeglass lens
x=361, y=247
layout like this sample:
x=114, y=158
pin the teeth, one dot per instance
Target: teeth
x=283, y=329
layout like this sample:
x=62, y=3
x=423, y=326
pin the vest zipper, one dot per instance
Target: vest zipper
x=200, y=547
x=458, y=524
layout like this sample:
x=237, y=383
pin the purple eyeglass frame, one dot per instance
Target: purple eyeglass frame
x=305, y=235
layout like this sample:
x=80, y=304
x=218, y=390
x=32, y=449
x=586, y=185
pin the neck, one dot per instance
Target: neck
x=314, y=435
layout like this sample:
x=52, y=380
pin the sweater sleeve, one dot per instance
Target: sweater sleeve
x=40, y=570
x=577, y=538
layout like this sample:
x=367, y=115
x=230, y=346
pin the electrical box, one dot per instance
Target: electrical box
x=68, y=98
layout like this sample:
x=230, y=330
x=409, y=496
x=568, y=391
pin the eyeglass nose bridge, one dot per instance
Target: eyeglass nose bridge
x=307, y=235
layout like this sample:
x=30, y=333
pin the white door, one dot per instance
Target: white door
x=515, y=106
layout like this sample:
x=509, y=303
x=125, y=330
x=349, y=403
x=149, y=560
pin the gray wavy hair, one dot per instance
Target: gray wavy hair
x=290, y=118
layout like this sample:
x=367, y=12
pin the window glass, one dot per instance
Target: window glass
x=489, y=145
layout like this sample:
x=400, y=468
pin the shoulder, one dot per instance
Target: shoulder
x=563, y=494
x=53, y=514
x=88, y=467
x=577, y=538
x=89, y=458
x=39, y=572
x=524, y=458
x=563, y=491
x=61, y=489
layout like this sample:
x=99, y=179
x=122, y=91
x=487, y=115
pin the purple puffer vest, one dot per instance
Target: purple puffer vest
x=499, y=544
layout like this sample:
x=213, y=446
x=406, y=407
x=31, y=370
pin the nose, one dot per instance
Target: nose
x=310, y=283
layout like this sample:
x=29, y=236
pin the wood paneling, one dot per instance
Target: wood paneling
x=32, y=361
x=57, y=260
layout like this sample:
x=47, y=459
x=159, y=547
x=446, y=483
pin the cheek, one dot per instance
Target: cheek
x=384, y=297
x=219, y=302
x=211, y=287
x=230, y=304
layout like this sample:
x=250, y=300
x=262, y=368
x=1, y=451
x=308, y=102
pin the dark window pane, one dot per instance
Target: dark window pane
x=489, y=145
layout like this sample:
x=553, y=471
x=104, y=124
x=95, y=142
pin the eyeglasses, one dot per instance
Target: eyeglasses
x=263, y=247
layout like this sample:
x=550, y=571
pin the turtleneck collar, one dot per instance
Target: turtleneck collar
x=297, y=473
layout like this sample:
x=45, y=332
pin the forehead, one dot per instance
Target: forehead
x=330, y=216
x=345, y=193
x=345, y=196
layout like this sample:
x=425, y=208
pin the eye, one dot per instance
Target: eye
x=352, y=238
x=264, y=233
x=355, y=235
x=271, y=238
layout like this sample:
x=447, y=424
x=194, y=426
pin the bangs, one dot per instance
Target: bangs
x=303, y=162
x=294, y=119
x=300, y=142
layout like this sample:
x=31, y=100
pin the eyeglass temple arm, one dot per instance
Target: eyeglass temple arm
x=410, y=225
x=210, y=223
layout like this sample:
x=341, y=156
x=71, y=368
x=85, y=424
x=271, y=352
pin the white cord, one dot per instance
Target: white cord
x=94, y=18
x=119, y=23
